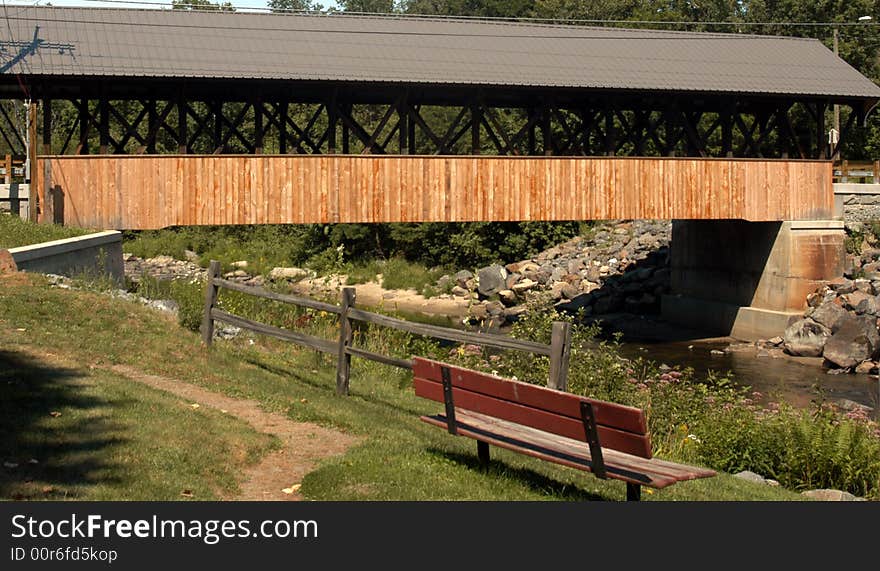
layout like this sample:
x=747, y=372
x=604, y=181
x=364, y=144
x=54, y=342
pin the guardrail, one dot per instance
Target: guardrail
x=559, y=349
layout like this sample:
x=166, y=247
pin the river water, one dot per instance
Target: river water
x=789, y=380
x=797, y=381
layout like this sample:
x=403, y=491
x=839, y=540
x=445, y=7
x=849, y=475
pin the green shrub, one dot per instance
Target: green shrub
x=454, y=245
x=713, y=422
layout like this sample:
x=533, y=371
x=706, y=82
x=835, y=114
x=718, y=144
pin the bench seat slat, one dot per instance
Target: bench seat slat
x=655, y=465
x=621, y=417
x=548, y=422
x=568, y=452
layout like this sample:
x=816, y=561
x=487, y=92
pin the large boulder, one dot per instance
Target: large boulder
x=856, y=340
x=869, y=306
x=805, y=338
x=289, y=274
x=461, y=278
x=829, y=314
x=492, y=279
x=575, y=303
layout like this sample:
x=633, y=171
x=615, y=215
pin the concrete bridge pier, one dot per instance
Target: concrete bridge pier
x=748, y=280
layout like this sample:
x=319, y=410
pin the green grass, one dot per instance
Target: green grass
x=15, y=232
x=400, y=458
x=397, y=273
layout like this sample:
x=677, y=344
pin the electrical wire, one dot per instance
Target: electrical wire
x=403, y=15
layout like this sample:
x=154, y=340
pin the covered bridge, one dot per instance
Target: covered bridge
x=180, y=118
x=173, y=82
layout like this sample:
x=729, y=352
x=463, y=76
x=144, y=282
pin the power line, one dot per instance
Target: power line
x=668, y=34
x=404, y=15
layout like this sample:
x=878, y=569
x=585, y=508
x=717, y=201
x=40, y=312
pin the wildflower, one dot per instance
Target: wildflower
x=642, y=386
x=694, y=438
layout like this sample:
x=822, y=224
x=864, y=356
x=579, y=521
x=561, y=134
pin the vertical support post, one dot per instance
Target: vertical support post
x=104, y=124
x=182, y=134
x=14, y=203
x=343, y=364
x=47, y=201
x=591, y=432
x=821, y=152
x=30, y=172
x=218, y=126
x=152, y=127
x=446, y=377
x=282, y=127
x=47, y=126
x=346, y=132
x=332, y=119
x=560, y=352
x=727, y=134
x=610, y=142
x=476, y=124
x=483, y=453
x=210, y=300
x=546, y=131
x=669, y=132
x=258, y=127
x=532, y=138
x=844, y=171
x=633, y=492
x=403, y=128
x=876, y=172
x=84, y=121
x=411, y=136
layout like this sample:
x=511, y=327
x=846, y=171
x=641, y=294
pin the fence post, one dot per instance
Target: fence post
x=560, y=351
x=343, y=364
x=844, y=171
x=210, y=300
x=876, y=172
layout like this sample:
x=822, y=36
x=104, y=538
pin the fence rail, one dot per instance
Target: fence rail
x=558, y=350
x=857, y=171
x=14, y=194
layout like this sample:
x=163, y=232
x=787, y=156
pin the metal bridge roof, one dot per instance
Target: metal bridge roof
x=136, y=43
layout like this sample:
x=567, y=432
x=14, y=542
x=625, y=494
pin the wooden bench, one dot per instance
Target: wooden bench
x=607, y=439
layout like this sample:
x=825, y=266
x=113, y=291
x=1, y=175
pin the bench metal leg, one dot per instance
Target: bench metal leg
x=483, y=453
x=633, y=492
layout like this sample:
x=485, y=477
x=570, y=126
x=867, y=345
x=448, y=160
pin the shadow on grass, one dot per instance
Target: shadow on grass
x=51, y=439
x=528, y=478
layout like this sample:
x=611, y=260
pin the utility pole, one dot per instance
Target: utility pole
x=836, y=106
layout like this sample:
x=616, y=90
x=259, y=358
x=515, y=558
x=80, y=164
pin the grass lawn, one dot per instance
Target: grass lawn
x=15, y=232
x=123, y=452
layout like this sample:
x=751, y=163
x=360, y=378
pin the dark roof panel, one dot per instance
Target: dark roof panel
x=172, y=43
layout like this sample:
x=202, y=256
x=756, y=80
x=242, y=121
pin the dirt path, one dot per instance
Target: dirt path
x=304, y=444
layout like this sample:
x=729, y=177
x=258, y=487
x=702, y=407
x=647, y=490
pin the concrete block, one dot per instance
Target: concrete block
x=98, y=254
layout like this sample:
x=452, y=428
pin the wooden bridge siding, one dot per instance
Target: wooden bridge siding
x=141, y=192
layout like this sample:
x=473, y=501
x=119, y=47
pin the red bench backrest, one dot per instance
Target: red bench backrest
x=620, y=427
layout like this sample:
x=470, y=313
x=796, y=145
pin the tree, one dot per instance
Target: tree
x=201, y=5
x=369, y=6
x=482, y=8
x=295, y=6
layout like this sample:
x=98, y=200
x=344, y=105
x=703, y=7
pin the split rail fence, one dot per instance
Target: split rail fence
x=559, y=349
